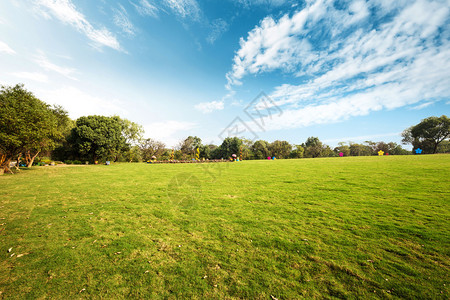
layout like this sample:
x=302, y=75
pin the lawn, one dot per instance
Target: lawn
x=352, y=227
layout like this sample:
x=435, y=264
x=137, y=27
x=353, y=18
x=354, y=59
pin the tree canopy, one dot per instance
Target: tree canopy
x=98, y=137
x=27, y=124
x=428, y=134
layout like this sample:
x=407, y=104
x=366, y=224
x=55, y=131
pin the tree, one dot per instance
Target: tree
x=229, y=146
x=280, y=149
x=189, y=145
x=360, y=150
x=342, y=147
x=260, y=149
x=313, y=147
x=98, y=138
x=150, y=147
x=27, y=124
x=297, y=152
x=428, y=134
x=444, y=147
x=132, y=132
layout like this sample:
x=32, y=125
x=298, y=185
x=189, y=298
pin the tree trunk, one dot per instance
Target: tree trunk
x=435, y=147
x=30, y=159
x=4, y=164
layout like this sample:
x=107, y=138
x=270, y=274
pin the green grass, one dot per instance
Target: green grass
x=357, y=227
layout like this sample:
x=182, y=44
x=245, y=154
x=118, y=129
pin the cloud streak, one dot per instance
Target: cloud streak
x=66, y=12
x=42, y=60
x=35, y=76
x=6, y=49
x=122, y=21
x=209, y=107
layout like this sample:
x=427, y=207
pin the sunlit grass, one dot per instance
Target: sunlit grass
x=334, y=227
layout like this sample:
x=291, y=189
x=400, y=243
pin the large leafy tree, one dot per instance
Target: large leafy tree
x=98, y=138
x=260, y=149
x=297, y=152
x=230, y=146
x=313, y=147
x=189, y=145
x=150, y=147
x=27, y=125
x=428, y=134
x=280, y=149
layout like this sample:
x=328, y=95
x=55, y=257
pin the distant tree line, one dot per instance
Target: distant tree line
x=30, y=128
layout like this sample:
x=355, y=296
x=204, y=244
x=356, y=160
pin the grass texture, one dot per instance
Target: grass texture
x=352, y=227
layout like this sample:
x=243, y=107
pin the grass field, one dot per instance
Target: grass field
x=356, y=227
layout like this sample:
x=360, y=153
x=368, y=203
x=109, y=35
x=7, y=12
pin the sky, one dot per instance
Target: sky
x=260, y=69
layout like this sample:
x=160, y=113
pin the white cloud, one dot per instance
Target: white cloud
x=42, y=60
x=79, y=103
x=249, y=3
x=208, y=107
x=347, y=66
x=121, y=20
x=218, y=27
x=66, y=12
x=363, y=137
x=145, y=8
x=167, y=131
x=6, y=49
x=35, y=76
x=184, y=8
x=421, y=106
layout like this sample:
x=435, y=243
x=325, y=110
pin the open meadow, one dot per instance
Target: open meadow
x=365, y=227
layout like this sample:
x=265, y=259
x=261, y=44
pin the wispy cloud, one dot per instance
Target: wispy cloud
x=79, y=103
x=145, y=8
x=218, y=27
x=66, y=12
x=362, y=137
x=35, y=76
x=6, y=49
x=168, y=131
x=209, y=107
x=347, y=64
x=122, y=21
x=249, y=3
x=182, y=8
x=421, y=106
x=42, y=60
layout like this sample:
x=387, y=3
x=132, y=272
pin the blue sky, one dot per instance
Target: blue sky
x=339, y=70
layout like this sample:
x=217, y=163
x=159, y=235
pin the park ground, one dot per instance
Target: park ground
x=352, y=227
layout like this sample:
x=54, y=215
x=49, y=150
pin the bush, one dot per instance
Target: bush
x=68, y=162
x=77, y=162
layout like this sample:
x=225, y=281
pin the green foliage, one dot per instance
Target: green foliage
x=189, y=145
x=98, y=138
x=297, y=152
x=342, y=147
x=428, y=134
x=229, y=146
x=27, y=124
x=280, y=149
x=313, y=147
x=260, y=149
x=360, y=149
x=131, y=131
x=150, y=148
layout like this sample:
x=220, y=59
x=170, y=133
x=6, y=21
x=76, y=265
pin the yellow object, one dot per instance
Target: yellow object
x=380, y=153
x=197, y=155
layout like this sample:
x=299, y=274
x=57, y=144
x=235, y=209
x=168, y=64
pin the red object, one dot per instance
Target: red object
x=387, y=153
